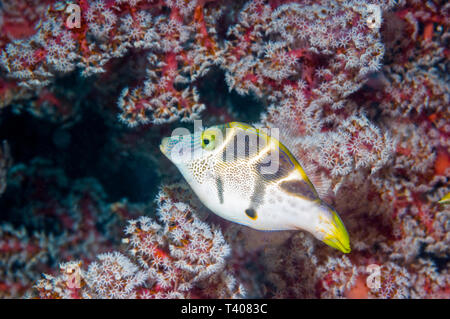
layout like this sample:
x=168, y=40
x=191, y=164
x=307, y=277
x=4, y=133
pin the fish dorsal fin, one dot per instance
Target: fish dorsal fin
x=322, y=185
x=287, y=136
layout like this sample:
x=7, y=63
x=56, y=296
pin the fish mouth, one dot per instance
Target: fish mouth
x=163, y=146
x=338, y=237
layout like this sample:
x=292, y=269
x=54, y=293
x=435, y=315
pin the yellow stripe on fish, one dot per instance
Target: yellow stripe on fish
x=247, y=176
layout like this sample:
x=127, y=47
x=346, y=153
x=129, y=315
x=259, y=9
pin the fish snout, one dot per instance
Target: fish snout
x=163, y=146
x=175, y=149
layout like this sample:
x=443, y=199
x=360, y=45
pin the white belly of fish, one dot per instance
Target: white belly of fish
x=277, y=211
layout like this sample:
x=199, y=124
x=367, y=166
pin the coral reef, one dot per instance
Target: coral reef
x=359, y=89
x=51, y=220
x=387, y=179
x=180, y=258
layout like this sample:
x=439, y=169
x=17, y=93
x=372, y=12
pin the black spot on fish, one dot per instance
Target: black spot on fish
x=299, y=188
x=250, y=212
x=219, y=186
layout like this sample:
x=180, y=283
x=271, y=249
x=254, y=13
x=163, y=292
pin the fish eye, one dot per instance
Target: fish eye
x=208, y=140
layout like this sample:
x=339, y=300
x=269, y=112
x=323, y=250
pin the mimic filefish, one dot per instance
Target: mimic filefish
x=249, y=177
x=445, y=199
